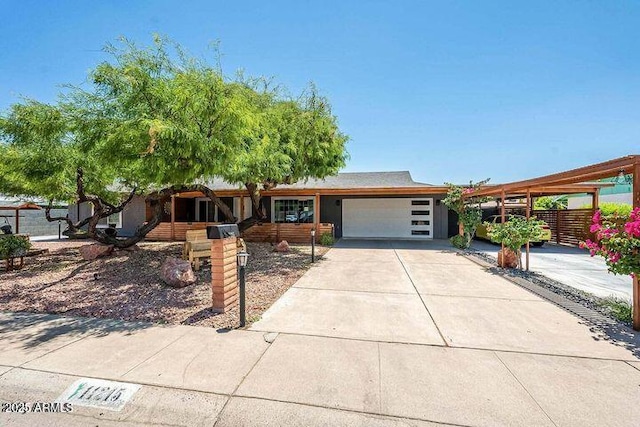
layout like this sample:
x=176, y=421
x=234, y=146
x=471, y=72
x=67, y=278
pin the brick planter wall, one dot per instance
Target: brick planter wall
x=224, y=274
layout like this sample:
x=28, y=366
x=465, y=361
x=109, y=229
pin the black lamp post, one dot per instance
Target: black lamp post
x=313, y=245
x=243, y=257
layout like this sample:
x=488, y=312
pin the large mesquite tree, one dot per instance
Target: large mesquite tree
x=155, y=122
x=293, y=140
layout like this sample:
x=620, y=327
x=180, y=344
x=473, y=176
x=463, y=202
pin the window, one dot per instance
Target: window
x=420, y=232
x=421, y=202
x=114, y=220
x=420, y=222
x=420, y=212
x=292, y=210
x=205, y=210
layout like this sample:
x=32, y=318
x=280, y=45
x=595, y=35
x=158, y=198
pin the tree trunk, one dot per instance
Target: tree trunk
x=258, y=212
x=103, y=209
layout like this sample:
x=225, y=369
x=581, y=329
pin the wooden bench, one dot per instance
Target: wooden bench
x=197, y=246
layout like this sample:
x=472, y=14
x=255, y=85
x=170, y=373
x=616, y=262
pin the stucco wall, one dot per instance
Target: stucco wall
x=133, y=215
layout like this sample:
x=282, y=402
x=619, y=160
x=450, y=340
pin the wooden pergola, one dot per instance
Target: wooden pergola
x=572, y=182
x=17, y=209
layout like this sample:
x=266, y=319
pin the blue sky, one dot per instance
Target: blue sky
x=449, y=90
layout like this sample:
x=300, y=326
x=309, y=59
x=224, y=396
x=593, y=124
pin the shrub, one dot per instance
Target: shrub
x=549, y=203
x=13, y=245
x=617, y=240
x=326, y=239
x=619, y=308
x=461, y=200
x=460, y=241
x=615, y=209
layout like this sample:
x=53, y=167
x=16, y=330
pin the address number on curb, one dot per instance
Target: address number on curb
x=97, y=393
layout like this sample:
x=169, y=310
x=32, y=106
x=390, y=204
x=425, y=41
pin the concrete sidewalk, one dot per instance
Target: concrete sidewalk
x=378, y=333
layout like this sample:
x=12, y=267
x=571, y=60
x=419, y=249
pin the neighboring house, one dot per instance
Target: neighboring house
x=349, y=205
x=620, y=193
x=32, y=222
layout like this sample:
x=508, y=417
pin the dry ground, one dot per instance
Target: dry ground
x=127, y=285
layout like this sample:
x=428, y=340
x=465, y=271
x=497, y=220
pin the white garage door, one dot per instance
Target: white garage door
x=387, y=218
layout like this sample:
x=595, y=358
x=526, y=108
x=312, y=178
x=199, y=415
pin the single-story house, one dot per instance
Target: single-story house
x=347, y=205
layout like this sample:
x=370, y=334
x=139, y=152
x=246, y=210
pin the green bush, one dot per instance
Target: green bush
x=617, y=209
x=326, y=239
x=548, y=203
x=13, y=245
x=460, y=242
x=619, y=308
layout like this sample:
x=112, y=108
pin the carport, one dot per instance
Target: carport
x=17, y=209
x=574, y=181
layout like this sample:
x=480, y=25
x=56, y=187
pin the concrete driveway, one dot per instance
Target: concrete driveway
x=573, y=267
x=378, y=333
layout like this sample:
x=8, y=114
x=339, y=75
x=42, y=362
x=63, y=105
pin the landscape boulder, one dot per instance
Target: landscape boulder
x=282, y=246
x=95, y=250
x=507, y=258
x=177, y=273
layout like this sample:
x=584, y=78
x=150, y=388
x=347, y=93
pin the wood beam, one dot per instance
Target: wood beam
x=636, y=283
x=316, y=215
x=587, y=173
x=504, y=219
x=173, y=217
x=528, y=215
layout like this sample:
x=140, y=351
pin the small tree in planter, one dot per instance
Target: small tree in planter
x=460, y=200
x=515, y=233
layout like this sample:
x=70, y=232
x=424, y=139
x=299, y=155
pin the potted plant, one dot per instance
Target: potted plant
x=516, y=232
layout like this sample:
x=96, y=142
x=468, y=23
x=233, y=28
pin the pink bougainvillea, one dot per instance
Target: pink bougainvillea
x=617, y=240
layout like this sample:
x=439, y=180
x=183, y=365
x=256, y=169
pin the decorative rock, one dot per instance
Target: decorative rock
x=282, y=246
x=95, y=250
x=177, y=273
x=134, y=248
x=510, y=258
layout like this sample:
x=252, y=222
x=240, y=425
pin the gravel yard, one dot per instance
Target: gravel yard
x=127, y=285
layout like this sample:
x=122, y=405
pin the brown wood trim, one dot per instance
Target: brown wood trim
x=587, y=173
x=279, y=192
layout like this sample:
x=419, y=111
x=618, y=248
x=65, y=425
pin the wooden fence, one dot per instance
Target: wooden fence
x=267, y=232
x=569, y=227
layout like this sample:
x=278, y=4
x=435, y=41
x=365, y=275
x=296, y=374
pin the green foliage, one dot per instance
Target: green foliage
x=13, y=245
x=617, y=240
x=154, y=118
x=551, y=203
x=515, y=233
x=291, y=140
x=461, y=200
x=609, y=209
x=460, y=241
x=326, y=239
x=619, y=308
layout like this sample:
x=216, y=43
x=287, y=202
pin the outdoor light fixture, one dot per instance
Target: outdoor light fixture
x=242, y=257
x=313, y=245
